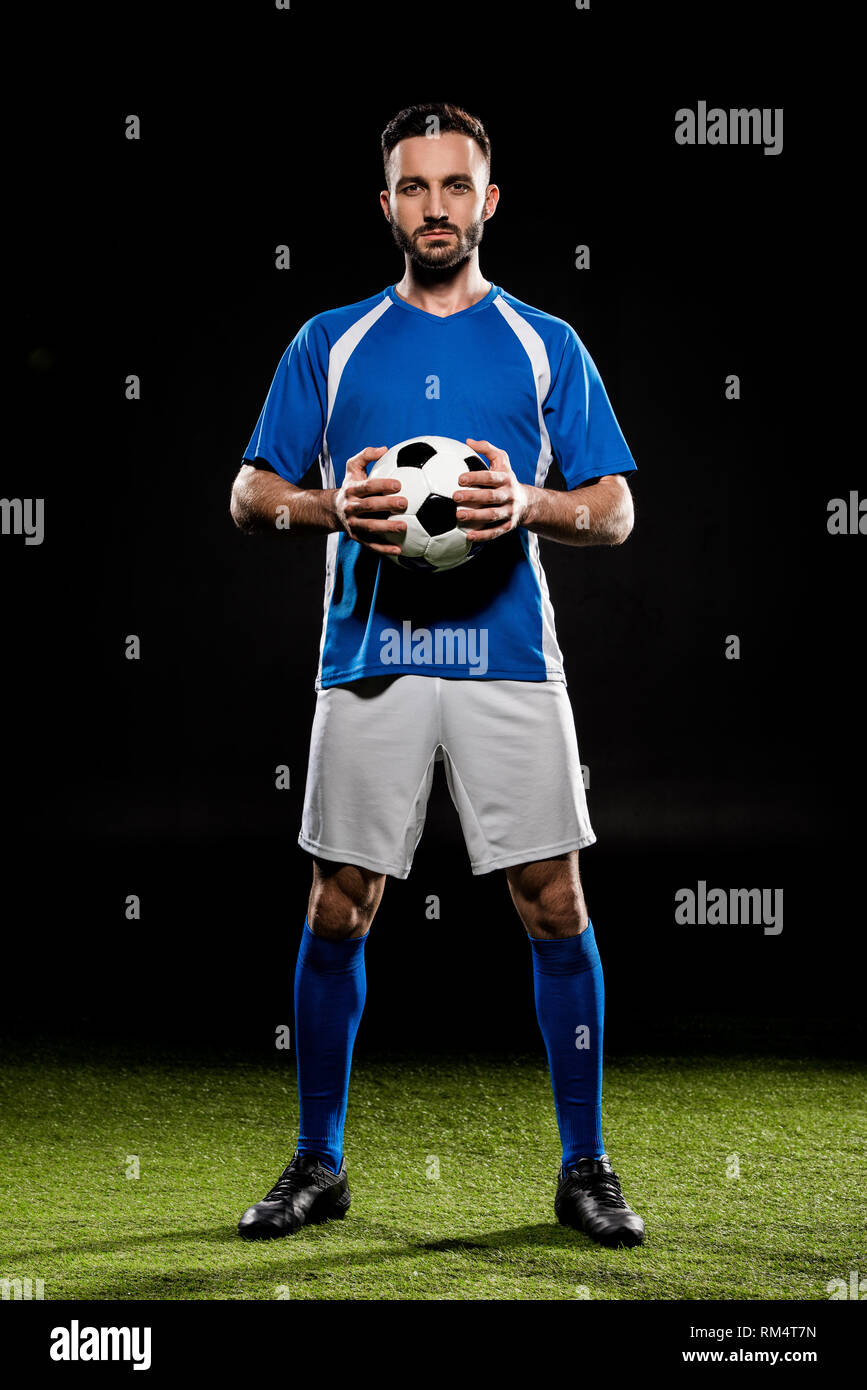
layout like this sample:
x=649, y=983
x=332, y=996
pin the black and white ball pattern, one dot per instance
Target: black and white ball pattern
x=428, y=468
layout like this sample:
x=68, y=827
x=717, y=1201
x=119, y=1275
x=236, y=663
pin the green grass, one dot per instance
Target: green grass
x=212, y=1137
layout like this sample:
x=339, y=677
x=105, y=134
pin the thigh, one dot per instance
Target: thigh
x=514, y=771
x=372, y=751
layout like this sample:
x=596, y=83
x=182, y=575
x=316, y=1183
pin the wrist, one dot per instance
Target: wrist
x=530, y=514
x=332, y=515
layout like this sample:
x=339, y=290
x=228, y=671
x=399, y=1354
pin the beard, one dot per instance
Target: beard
x=435, y=256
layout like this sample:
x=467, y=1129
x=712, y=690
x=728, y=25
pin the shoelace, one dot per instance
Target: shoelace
x=605, y=1186
x=292, y=1180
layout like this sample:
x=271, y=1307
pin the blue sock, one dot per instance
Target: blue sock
x=570, y=1003
x=330, y=989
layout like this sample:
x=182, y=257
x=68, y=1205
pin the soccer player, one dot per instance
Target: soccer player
x=442, y=352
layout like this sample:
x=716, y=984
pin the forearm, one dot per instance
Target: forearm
x=601, y=514
x=263, y=502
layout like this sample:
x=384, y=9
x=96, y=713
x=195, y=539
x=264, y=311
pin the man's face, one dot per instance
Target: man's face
x=439, y=198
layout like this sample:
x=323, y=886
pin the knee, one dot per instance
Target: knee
x=343, y=900
x=554, y=923
x=551, y=909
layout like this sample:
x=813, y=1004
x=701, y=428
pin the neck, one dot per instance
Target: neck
x=443, y=292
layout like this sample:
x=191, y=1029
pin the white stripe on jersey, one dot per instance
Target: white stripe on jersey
x=344, y=348
x=337, y=360
x=330, y=571
x=535, y=349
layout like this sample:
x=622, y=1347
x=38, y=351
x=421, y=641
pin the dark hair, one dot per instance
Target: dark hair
x=414, y=120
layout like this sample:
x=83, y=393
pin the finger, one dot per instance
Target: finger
x=478, y=497
x=357, y=503
x=358, y=462
x=382, y=549
x=484, y=516
x=373, y=487
x=491, y=479
x=365, y=527
x=489, y=534
x=490, y=451
x=365, y=532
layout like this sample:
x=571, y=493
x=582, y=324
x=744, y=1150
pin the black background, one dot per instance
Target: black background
x=156, y=777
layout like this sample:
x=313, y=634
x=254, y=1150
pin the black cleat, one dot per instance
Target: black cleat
x=589, y=1198
x=305, y=1193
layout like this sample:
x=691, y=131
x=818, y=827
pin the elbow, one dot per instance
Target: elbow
x=618, y=517
x=622, y=524
x=238, y=510
x=626, y=519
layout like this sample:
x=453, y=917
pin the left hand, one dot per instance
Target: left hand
x=494, y=501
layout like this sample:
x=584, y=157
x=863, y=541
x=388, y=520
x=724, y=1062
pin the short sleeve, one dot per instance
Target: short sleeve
x=289, y=431
x=586, y=439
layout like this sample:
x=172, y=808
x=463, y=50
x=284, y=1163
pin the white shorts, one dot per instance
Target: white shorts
x=511, y=762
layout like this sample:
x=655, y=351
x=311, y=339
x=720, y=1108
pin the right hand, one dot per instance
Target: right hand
x=361, y=503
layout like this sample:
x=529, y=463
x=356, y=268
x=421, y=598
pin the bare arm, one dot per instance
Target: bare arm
x=263, y=501
x=363, y=507
x=597, y=513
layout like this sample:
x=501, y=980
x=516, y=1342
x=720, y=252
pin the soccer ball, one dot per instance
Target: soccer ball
x=428, y=468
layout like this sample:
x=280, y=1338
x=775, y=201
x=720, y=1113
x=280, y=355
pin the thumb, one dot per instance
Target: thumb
x=358, y=464
x=497, y=458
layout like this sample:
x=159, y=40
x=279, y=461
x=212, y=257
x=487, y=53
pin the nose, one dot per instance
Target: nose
x=434, y=210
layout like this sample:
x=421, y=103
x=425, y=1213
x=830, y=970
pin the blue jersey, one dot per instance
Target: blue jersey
x=381, y=371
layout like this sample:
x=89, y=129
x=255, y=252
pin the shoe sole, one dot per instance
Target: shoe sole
x=628, y=1239
x=317, y=1215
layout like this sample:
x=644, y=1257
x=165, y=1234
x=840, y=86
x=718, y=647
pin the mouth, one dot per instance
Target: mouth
x=434, y=235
